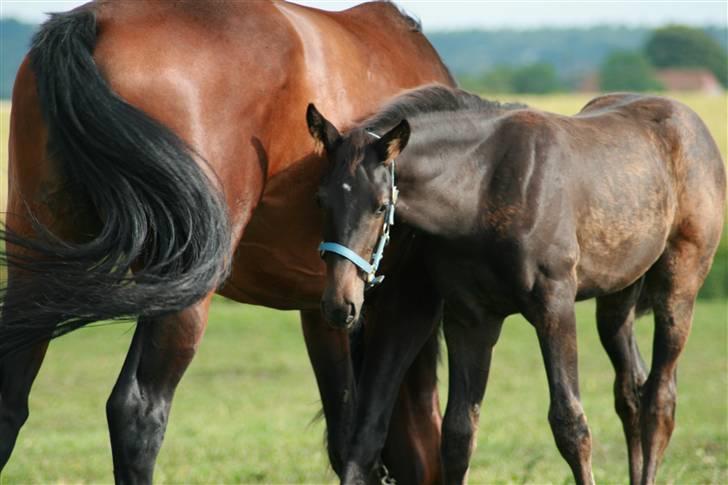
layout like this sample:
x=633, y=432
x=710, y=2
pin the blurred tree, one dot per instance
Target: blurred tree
x=535, y=78
x=498, y=80
x=627, y=71
x=680, y=46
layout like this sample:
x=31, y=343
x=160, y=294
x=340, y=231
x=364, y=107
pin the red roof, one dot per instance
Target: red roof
x=689, y=79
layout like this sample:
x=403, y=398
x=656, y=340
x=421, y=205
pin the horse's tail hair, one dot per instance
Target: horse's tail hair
x=162, y=238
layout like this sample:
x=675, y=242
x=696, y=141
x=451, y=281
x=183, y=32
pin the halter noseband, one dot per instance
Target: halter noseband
x=368, y=267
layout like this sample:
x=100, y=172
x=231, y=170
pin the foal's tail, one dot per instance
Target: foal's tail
x=156, y=209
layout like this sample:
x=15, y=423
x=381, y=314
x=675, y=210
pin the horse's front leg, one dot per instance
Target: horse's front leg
x=552, y=313
x=412, y=450
x=328, y=349
x=139, y=405
x=470, y=345
x=412, y=308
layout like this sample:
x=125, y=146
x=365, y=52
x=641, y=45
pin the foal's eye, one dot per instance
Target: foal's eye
x=381, y=209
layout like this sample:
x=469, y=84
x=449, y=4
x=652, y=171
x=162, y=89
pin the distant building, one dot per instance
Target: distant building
x=590, y=83
x=690, y=79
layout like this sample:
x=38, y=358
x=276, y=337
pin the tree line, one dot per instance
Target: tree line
x=622, y=69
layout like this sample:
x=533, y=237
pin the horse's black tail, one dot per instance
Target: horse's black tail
x=155, y=209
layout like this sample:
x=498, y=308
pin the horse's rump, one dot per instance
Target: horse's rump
x=151, y=204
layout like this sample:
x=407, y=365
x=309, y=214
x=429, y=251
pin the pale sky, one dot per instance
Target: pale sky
x=460, y=14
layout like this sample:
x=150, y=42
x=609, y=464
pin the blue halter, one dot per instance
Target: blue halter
x=368, y=268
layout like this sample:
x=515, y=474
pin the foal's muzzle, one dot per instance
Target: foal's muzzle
x=342, y=315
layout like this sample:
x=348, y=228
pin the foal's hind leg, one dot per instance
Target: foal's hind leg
x=469, y=347
x=139, y=405
x=552, y=313
x=674, y=282
x=615, y=320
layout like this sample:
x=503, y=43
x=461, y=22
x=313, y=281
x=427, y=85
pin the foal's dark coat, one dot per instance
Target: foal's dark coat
x=521, y=211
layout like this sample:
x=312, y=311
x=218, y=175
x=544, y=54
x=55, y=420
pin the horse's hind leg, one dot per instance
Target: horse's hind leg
x=139, y=405
x=615, y=320
x=17, y=373
x=470, y=347
x=674, y=282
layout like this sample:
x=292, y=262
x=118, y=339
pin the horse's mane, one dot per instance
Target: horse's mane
x=428, y=99
x=415, y=24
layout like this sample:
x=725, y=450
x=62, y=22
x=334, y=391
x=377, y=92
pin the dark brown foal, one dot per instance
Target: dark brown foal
x=521, y=211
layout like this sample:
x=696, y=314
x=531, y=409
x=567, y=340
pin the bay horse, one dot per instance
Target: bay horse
x=158, y=154
x=516, y=210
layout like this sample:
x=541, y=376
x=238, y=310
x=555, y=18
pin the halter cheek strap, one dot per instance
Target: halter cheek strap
x=368, y=268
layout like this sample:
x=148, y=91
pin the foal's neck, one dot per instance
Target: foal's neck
x=440, y=171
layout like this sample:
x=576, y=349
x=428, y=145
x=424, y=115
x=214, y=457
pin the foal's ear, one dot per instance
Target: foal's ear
x=393, y=142
x=321, y=129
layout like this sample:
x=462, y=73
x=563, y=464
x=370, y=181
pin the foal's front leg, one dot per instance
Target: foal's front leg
x=413, y=309
x=553, y=316
x=469, y=347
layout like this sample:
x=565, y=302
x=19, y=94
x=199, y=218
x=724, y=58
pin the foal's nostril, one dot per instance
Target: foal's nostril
x=352, y=314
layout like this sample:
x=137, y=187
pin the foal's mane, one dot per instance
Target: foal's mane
x=429, y=99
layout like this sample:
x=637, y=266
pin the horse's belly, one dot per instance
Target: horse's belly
x=276, y=263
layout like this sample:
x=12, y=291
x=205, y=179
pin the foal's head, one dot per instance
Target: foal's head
x=356, y=194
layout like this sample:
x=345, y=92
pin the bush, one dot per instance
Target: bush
x=538, y=78
x=498, y=80
x=627, y=71
x=680, y=46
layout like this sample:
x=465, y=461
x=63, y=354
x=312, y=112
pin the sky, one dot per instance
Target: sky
x=463, y=14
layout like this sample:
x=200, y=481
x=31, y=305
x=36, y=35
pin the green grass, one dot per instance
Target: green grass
x=244, y=411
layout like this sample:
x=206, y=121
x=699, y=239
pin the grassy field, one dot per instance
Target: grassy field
x=244, y=411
